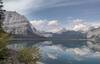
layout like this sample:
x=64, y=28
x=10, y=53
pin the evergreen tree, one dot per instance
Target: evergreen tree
x=4, y=37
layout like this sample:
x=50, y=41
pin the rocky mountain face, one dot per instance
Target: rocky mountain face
x=17, y=24
x=20, y=27
x=94, y=34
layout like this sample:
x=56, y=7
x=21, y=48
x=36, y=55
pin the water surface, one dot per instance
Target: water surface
x=63, y=52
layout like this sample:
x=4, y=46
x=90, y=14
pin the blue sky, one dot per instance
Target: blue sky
x=56, y=9
x=87, y=9
x=63, y=11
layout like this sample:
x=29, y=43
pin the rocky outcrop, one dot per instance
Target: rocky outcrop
x=94, y=34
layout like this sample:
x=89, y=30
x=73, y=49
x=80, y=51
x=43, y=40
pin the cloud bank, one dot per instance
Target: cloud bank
x=21, y=6
x=79, y=54
x=56, y=26
x=48, y=26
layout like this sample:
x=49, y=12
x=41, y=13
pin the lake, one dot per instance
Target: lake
x=64, y=52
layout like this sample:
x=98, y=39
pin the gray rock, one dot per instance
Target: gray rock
x=17, y=24
x=94, y=35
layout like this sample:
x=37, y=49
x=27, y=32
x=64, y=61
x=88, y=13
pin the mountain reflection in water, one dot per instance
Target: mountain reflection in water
x=64, y=52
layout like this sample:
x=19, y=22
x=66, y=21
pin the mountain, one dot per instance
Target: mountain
x=69, y=35
x=19, y=26
x=92, y=31
x=94, y=34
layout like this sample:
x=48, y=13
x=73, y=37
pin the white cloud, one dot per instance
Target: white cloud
x=55, y=26
x=21, y=6
x=82, y=25
x=79, y=51
x=96, y=24
x=56, y=52
x=45, y=25
x=38, y=22
x=53, y=51
x=53, y=23
x=82, y=53
x=52, y=56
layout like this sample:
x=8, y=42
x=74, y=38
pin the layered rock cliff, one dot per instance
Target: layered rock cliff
x=16, y=24
x=94, y=34
x=19, y=26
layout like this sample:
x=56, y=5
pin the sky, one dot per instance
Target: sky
x=58, y=12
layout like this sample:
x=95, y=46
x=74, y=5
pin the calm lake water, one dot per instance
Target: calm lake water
x=64, y=52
